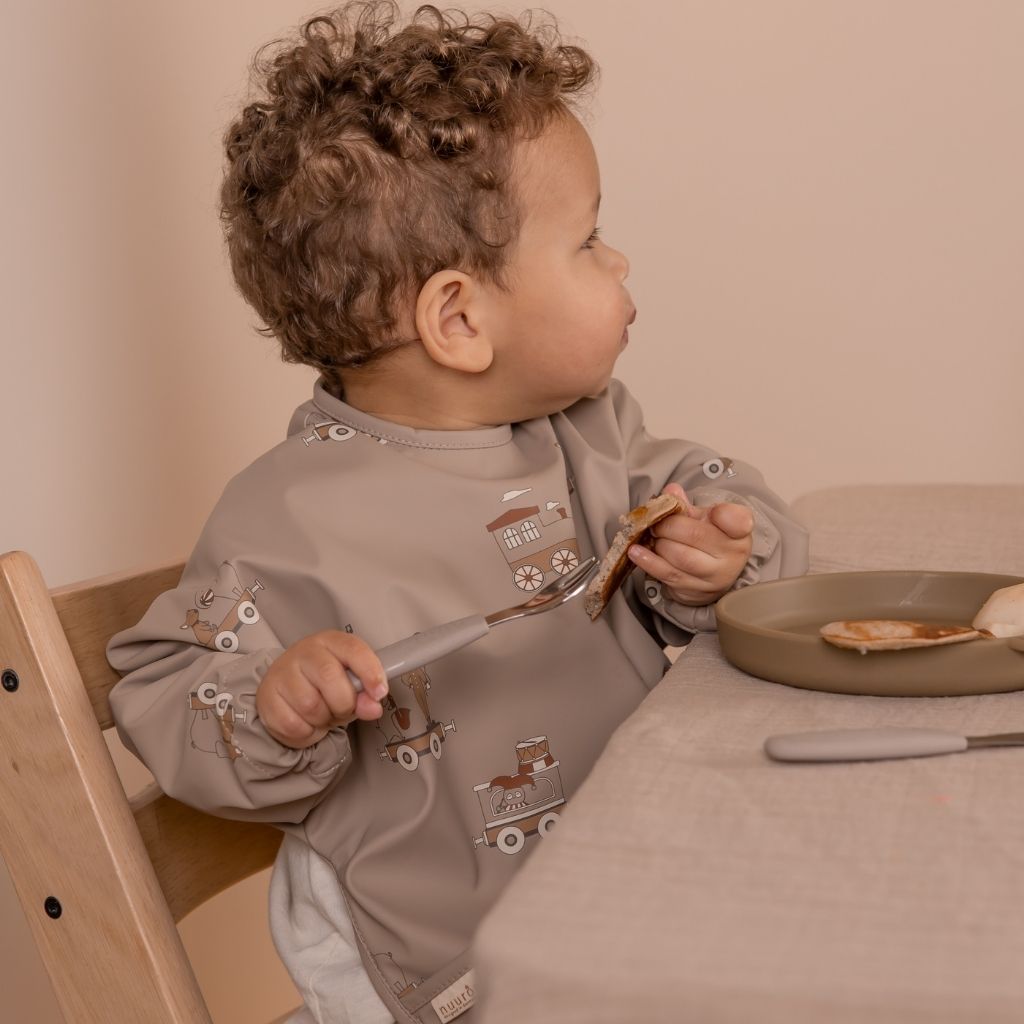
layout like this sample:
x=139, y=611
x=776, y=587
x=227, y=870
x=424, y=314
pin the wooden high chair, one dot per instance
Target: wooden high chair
x=102, y=880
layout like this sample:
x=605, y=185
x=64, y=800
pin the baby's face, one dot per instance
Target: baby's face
x=559, y=331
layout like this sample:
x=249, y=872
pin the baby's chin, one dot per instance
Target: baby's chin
x=597, y=392
x=531, y=407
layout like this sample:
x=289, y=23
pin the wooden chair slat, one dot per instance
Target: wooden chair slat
x=220, y=852
x=67, y=832
x=123, y=872
x=92, y=611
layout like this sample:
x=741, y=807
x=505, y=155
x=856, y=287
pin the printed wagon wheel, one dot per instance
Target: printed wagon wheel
x=407, y=757
x=435, y=746
x=564, y=560
x=207, y=692
x=713, y=468
x=340, y=432
x=547, y=823
x=510, y=839
x=225, y=641
x=247, y=613
x=528, y=577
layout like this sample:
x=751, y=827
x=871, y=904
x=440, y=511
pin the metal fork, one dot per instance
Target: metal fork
x=421, y=648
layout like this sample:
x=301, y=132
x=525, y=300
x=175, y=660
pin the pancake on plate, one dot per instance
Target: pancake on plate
x=894, y=634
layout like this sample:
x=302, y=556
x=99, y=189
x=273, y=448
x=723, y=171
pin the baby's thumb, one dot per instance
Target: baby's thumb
x=691, y=510
x=735, y=521
x=676, y=491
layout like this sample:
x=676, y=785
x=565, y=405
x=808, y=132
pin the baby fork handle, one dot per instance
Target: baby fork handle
x=422, y=648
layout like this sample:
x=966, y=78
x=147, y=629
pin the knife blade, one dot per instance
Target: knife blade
x=878, y=744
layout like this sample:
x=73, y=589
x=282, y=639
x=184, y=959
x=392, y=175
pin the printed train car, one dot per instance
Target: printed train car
x=527, y=803
x=536, y=544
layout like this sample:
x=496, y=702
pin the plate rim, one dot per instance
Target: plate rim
x=805, y=638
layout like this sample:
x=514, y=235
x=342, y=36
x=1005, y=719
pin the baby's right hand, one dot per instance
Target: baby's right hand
x=306, y=691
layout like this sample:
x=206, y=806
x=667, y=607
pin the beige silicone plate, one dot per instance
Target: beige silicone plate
x=771, y=631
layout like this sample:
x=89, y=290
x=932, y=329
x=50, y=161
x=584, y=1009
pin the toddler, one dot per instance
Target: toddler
x=411, y=208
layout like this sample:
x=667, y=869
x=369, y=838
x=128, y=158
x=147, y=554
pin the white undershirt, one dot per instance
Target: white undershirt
x=313, y=934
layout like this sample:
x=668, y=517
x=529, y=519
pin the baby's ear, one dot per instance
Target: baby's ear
x=448, y=322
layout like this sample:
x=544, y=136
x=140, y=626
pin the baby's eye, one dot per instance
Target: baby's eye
x=594, y=236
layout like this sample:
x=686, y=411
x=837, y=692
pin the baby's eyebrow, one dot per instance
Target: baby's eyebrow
x=592, y=212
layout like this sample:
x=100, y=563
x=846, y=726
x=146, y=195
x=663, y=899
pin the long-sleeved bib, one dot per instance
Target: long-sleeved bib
x=354, y=523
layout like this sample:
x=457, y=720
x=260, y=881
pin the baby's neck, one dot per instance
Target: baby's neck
x=410, y=389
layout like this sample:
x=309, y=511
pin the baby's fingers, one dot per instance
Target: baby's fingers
x=735, y=521
x=351, y=680
x=689, y=511
x=685, y=570
x=284, y=722
x=367, y=708
x=677, y=491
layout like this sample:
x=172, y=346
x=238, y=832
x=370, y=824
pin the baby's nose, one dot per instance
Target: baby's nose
x=622, y=264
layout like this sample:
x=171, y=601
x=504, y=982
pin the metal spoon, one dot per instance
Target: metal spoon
x=421, y=648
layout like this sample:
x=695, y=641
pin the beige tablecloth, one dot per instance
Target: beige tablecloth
x=691, y=879
x=965, y=527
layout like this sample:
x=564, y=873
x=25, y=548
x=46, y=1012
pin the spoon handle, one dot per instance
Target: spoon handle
x=862, y=744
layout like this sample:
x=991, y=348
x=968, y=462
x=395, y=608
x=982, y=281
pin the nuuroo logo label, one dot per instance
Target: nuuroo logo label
x=455, y=999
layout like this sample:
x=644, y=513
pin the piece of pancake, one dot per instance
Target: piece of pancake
x=616, y=566
x=893, y=634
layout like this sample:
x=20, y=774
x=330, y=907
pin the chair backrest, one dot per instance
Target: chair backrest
x=102, y=880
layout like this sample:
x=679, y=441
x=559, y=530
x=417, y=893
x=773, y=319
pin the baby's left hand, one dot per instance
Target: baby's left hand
x=698, y=556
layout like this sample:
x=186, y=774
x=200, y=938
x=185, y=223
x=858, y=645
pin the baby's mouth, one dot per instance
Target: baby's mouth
x=625, y=330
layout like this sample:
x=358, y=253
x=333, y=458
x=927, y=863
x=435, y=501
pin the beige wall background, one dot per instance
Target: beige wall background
x=821, y=201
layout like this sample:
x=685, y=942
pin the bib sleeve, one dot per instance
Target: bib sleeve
x=186, y=703
x=780, y=545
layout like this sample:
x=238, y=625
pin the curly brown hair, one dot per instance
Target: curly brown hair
x=377, y=155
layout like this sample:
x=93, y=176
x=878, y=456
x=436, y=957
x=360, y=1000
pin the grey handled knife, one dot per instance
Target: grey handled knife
x=878, y=744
